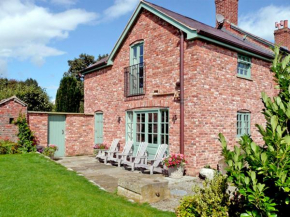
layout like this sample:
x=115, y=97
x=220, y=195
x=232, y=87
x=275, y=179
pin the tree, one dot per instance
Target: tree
x=262, y=173
x=28, y=91
x=75, y=67
x=68, y=95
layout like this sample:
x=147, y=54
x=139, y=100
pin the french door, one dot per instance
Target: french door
x=148, y=126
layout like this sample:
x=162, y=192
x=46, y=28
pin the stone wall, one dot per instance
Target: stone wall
x=9, y=111
x=213, y=92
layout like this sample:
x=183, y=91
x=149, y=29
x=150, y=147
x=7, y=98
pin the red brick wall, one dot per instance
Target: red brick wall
x=213, y=93
x=229, y=9
x=38, y=123
x=104, y=90
x=282, y=37
x=10, y=109
x=79, y=134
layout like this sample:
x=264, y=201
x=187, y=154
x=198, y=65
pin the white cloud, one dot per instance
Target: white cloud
x=262, y=22
x=66, y=3
x=3, y=68
x=28, y=29
x=119, y=8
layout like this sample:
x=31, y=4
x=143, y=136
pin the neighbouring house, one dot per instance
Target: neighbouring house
x=9, y=111
x=172, y=79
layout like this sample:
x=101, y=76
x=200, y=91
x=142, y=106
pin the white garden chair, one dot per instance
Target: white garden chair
x=155, y=165
x=141, y=154
x=121, y=156
x=104, y=154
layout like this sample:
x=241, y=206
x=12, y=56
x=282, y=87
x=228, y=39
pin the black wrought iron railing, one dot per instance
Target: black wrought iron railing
x=134, y=80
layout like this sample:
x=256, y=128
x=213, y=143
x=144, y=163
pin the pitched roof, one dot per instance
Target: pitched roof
x=213, y=32
x=15, y=99
x=193, y=28
x=101, y=62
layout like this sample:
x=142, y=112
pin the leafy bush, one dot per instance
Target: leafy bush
x=8, y=147
x=50, y=150
x=262, y=174
x=26, y=139
x=210, y=201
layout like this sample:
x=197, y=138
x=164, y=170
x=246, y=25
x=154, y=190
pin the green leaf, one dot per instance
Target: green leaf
x=253, y=176
x=223, y=140
x=274, y=122
x=244, y=215
x=263, y=157
x=285, y=62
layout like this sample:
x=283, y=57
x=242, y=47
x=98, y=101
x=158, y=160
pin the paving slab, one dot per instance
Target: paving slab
x=107, y=176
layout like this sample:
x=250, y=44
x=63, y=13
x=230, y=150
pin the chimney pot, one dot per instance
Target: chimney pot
x=282, y=34
x=285, y=23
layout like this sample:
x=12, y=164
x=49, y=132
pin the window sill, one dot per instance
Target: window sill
x=134, y=95
x=249, y=79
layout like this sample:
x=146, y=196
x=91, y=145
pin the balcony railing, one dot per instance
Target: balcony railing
x=134, y=80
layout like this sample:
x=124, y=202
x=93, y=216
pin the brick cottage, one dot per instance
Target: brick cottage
x=171, y=79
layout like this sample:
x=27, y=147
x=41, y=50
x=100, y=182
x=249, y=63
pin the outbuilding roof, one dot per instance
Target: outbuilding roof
x=15, y=99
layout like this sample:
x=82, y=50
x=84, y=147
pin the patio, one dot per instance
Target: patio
x=107, y=177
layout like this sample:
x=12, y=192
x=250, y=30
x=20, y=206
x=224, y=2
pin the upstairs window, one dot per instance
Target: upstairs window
x=243, y=123
x=244, y=66
x=135, y=73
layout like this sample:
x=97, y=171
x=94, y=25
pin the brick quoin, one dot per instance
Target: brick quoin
x=10, y=109
x=213, y=92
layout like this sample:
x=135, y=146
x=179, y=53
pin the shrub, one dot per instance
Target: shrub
x=26, y=139
x=210, y=201
x=50, y=150
x=262, y=174
x=174, y=160
x=8, y=147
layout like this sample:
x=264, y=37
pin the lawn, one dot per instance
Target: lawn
x=31, y=185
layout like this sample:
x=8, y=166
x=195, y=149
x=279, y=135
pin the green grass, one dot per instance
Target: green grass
x=31, y=185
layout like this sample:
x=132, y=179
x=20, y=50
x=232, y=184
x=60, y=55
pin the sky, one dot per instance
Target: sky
x=38, y=37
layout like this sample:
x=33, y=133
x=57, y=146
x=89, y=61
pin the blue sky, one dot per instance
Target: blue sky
x=38, y=37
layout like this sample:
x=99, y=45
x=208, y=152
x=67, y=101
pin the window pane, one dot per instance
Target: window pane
x=141, y=49
x=135, y=52
x=155, y=138
x=143, y=128
x=155, y=128
x=155, y=117
x=150, y=128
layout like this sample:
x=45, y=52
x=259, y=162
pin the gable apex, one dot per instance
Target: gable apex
x=15, y=99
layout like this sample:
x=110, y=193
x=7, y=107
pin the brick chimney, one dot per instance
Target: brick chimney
x=229, y=9
x=282, y=34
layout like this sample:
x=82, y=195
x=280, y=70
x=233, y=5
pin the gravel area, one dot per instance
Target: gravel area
x=178, y=188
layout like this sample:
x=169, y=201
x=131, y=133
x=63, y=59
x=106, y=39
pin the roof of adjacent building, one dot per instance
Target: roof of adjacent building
x=221, y=35
x=211, y=31
x=15, y=99
x=100, y=62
